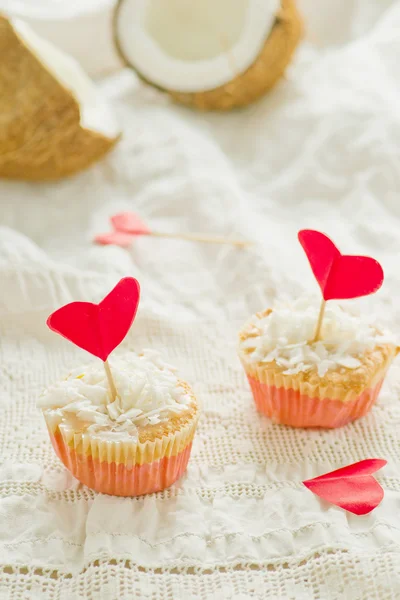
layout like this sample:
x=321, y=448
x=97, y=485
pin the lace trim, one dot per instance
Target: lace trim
x=316, y=574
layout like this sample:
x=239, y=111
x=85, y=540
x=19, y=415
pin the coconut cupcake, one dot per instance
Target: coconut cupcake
x=137, y=444
x=326, y=383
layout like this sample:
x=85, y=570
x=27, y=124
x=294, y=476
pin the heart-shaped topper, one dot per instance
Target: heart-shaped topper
x=115, y=238
x=339, y=276
x=99, y=328
x=129, y=222
x=352, y=488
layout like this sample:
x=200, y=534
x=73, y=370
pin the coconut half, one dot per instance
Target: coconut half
x=210, y=54
x=53, y=122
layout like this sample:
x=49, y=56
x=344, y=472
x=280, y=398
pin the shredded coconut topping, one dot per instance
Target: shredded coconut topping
x=149, y=392
x=284, y=336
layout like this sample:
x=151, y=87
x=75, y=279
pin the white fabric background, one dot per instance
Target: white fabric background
x=321, y=151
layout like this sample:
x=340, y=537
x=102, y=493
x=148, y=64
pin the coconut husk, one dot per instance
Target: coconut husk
x=259, y=78
x=40, y=133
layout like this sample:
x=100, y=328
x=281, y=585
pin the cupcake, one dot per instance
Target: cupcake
x=137, y=444
x=326, y=383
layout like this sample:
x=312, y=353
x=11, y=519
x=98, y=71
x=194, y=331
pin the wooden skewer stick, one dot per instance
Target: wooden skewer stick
x=197, y=237
x=319, y=323
x=111, y=383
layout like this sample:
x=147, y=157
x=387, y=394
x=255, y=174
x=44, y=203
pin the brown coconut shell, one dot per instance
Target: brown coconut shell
x=259, y=78
x=40, y=133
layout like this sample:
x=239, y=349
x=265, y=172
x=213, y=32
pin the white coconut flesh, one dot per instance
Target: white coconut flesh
x=193, y=46
x=95, y=114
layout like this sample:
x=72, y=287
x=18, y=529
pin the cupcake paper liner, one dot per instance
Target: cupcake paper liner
x=291, y=401
x=124, y=468
x=290, y=407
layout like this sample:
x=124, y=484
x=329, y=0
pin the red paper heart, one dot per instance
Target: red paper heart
x=339, y=276
x=352, y=487
x=129, y=222
x=99, y=328
x=117, y=238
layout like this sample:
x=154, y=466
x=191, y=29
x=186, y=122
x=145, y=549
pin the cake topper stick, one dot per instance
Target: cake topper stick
x=99, y=328
x=319, y=322
x=339, y=276
x=111, y=382
x=130, y=224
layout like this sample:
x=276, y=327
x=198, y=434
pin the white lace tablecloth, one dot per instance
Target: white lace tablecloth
x=321, y=151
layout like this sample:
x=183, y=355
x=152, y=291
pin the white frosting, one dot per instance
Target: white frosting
x=284, y=337
x=148, y=389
